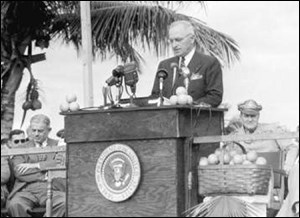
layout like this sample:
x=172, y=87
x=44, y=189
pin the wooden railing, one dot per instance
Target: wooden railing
x=24, y=151
x=231, y=138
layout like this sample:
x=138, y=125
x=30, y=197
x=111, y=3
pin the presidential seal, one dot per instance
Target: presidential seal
x=118, y=172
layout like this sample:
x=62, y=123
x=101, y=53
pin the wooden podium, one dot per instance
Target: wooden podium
x=161, y=139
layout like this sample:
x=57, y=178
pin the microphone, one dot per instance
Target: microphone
x=118, y=71
x=111, y=81
x=130, y=74
x=131, y=78
x=174, y=65
x=162, y=74
x=175, y=68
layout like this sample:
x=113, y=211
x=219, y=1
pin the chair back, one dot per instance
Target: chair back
x=276, y=160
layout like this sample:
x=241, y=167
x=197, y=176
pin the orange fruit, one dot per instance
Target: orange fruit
x=247, y=162
x=233, y=153
x=261, y=161
x=74, y=106
x=226, y=158
x=181, y=91
x=190, y=100
x=64, y=107
x=218, y=152
x=173, y=99
x=252, y=156
x=71, y=98
x=238, y=159
x=203, y=161
x=213, y=159
x=182, y=99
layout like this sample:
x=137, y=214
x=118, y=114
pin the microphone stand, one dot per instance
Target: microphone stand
x=162, y=75
x=133, y=90
x=118, y=96
x=161, y=98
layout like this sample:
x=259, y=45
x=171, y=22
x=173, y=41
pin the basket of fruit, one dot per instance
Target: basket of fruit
x=231, y=172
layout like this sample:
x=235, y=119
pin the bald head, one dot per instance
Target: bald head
x=40, y=118
x=183, y=26
x=182, y=37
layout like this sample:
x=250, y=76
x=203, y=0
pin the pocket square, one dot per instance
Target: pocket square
x=196, y=76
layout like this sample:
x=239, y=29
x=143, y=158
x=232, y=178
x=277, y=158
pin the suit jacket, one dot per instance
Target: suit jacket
x=5, y=174
x=288, y=209
x=5, y=171
x=207, y=85
x=32, y=175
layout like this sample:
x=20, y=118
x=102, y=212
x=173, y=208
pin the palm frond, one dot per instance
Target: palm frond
x=119, y=26
x=224, y=206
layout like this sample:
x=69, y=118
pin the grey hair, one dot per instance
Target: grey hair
x=188, y=26
x=40, y=118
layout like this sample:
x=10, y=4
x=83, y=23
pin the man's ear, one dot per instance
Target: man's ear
x=28, y=131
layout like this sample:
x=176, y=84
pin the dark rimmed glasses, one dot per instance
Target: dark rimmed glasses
x=17, y=141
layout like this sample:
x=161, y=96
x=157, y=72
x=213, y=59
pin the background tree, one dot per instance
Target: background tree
x=117, y=27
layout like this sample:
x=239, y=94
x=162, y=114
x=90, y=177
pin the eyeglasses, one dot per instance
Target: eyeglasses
x=17, y=141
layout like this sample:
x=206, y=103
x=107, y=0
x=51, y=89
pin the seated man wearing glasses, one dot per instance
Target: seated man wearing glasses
x=16, y=138
x=203, y=72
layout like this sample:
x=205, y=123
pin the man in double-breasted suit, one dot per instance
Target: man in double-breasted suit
x=205, y=73
x=30, y=187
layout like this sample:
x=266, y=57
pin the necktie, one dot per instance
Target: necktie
x=41, y=157
x=175, y=80
x=182, y=62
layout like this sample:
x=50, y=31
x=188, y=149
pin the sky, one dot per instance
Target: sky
x=268, y=37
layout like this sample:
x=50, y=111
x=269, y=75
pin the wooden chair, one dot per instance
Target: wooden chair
x=276, y=160
x=54, y=172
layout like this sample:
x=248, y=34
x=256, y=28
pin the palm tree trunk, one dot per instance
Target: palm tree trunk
x=12, y=83
x=8, y=98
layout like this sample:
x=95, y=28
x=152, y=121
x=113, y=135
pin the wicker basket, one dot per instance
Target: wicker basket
x=234, y=179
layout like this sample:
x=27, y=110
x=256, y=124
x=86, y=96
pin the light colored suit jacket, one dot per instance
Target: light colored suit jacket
x=286, y=145
x=32, y=175
x=288, y=208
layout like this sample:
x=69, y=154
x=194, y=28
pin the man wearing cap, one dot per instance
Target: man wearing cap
x=249, y=115
x=203, y=72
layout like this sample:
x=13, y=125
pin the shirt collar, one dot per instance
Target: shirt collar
x=188, y=57
x=44, y=144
